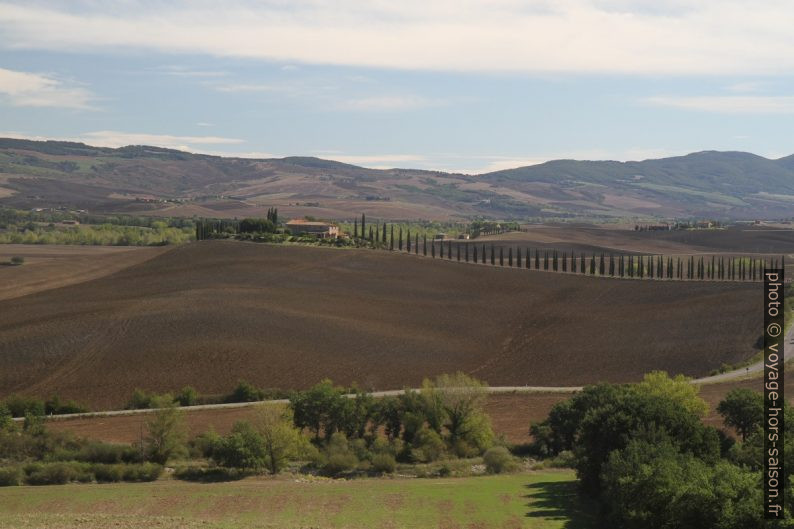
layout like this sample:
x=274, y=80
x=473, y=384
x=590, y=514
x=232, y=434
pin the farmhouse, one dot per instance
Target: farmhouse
x=318, y=229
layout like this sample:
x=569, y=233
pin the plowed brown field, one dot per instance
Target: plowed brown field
x=211, y=313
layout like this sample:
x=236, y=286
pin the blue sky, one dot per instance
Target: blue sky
x=460, y=86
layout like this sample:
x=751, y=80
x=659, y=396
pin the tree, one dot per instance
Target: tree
x=651, y=484
x=243, y=448
x=167, y=433
x=742, y=409
x=678, y=388
x=462, y=399
x=363, y=225
x=391, y=239
x=355, y=228
x=281, y=441
x=315, y=408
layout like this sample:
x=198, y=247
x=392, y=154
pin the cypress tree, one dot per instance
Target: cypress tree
x=564, y=261
x=370, y=233
x=493, y=255
x=416, y=243
x=363, y=225
x=592, y=265
x=408, y=241
x=474, y=247
x=528, y=258
x=670, y=268
x=355, y=228
x=601, y=266
x=581, y=263
x=641, y=266
x=467, y=252
x=457, y=249
x=537, y=259
x=660, y=268
x=400, y=241
x=433, y=249
x=383, y=237
x=611, y=265
x=424, y=245
x=545, y=259
x=518, y=257
x=449, y=250
x=391, y=240
x=510, y=256
x=441, y=249
x=554, y=260
x=501, y=256
x=483, y=253
x=650, y=267
x=631, y=266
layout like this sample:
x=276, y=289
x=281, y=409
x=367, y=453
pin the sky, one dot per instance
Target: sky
x=451, y=85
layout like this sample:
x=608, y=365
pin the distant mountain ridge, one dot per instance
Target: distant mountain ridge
x=141, y=179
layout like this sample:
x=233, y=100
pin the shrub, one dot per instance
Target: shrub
x=339, y=457
x=187, y=396
x=20, y=406
x=212, y=474
x=57, y=473
x=565, y=459
x=17, y=260
x=338, y=463
x=142, y=472
x=498, y=460
x=203, y=444
x=140, y=400
x=243, y=448
x=245, y=392
x=427, y=446
x=10, y=476
x=108, y=453
x=384, y=463
x=107, y=473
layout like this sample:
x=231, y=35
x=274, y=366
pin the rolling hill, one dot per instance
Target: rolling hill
x=152, y=180
x=213, y=312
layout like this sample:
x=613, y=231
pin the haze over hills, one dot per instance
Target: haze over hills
x=153, y=180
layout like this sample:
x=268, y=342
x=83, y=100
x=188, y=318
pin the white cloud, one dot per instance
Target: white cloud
x=112, y=138
x=661, y=37
x=728, y=104
x=381, y=160
x=24, y=89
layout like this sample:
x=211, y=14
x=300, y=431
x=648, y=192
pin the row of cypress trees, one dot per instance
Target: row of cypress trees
x=692, y=267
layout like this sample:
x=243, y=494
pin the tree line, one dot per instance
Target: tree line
x=703, y=268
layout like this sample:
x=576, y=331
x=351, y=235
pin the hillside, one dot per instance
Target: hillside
x=211, y=313
x=141, y=179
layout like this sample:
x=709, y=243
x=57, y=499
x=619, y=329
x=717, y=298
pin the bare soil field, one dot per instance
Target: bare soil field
x=54, y=266
x=209, y=314
x=739, y=240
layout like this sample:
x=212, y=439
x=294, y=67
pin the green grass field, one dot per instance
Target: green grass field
x=542, y=500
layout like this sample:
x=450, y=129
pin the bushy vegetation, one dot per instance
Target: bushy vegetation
x=96, y=234
x=20, y=405
x=644, y=454
x=32, y=455
x=189, y=396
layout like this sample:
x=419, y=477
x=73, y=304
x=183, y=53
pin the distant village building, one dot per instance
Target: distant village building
x=318, y=229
